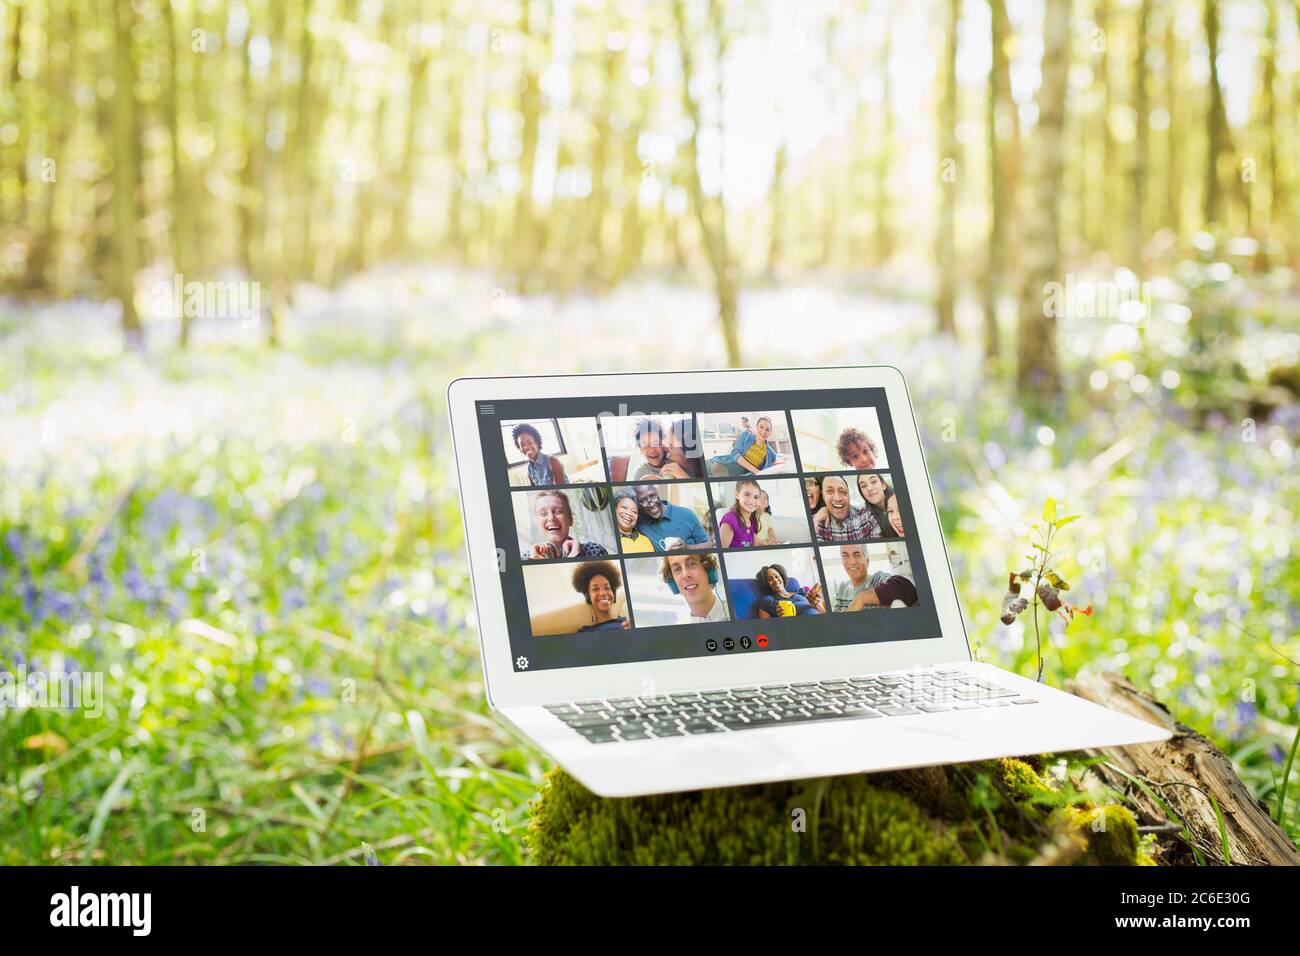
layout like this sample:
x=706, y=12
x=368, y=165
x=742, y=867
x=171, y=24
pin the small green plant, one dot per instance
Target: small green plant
x=1047, y=585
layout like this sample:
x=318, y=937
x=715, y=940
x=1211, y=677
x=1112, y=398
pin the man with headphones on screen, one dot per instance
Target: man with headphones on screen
x=693, y=576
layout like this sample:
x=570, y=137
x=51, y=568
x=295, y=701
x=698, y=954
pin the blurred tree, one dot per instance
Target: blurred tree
x=1268, y=113
x=1000, y=200
x=710, y=210
x=1218, y=147
x=306, y=140
x=776, y=203
x=1173, y=135
x=530, y=110
x=1137, y=232
x=884, y=230
x=179, y=219
x=950, y=172
x=1039, y=375
x=125, y=170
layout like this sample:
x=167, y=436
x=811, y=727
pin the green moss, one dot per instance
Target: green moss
x=1107, y=834
x=998, y=811
x=1022, y=781
x=839, y=820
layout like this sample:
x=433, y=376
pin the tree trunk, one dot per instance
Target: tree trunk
x=16, y=94
x=1142, y=107
x=1101, y=217
x=631, y=229
x=58, y=81
x=459, y=174
x=949, y=174
x=884, y=229
x=530, y=108
x=996, y=253
x=710, y=212
x=302, y=144
x=1039, y=375
x=125, y=218
x=776, y=203
x=1173, y=163
x=249, y=196
x=1268, y=92
x=1216, y=121
x=180, y=223
x=417, y=83
x=596, y=263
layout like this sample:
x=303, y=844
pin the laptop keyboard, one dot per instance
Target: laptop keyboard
x=896, y=694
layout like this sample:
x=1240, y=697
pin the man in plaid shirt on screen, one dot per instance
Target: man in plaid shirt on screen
x=838, y=520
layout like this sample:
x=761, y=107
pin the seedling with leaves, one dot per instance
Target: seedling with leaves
x=1047, y=586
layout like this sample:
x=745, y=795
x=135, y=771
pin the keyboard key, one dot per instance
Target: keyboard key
x=701, y=727
x=582, y=722
x=900, y=693
x=861, y=712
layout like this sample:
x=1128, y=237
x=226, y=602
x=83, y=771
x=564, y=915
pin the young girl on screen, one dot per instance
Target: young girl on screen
x=739, y=526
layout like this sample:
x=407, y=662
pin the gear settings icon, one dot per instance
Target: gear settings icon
x=521, y=663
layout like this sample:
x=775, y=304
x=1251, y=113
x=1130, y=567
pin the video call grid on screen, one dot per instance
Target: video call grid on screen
x=593, y=457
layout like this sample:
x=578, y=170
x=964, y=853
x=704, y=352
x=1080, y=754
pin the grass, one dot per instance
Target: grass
x=261, y=554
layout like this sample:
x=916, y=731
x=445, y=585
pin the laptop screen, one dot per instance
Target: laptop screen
x=650, y=527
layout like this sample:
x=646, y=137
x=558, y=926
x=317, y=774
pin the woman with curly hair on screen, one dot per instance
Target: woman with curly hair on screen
x=598, y=583
x=543, y=470
x=776, y=600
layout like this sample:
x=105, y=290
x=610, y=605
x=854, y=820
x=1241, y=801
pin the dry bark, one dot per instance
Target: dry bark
x=1185, y=771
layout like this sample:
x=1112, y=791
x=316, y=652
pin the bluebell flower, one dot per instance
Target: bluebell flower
x=1246, y=711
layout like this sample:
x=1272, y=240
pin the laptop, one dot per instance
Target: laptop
x=714, y=578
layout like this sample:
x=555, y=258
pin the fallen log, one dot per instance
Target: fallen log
x=1189, y=776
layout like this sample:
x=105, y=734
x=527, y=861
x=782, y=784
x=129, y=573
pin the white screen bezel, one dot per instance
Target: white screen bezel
x=508, y=687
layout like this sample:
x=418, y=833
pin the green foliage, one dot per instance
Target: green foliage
x=1047, y=585
x=335, y=606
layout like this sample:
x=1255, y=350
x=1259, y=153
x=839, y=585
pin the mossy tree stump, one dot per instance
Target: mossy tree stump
x=1034, y=810
x=998, y=811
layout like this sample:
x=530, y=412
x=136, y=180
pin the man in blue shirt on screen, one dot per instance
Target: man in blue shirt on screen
x=669, y=527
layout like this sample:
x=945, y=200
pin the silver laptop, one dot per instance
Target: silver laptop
x=715, y=578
